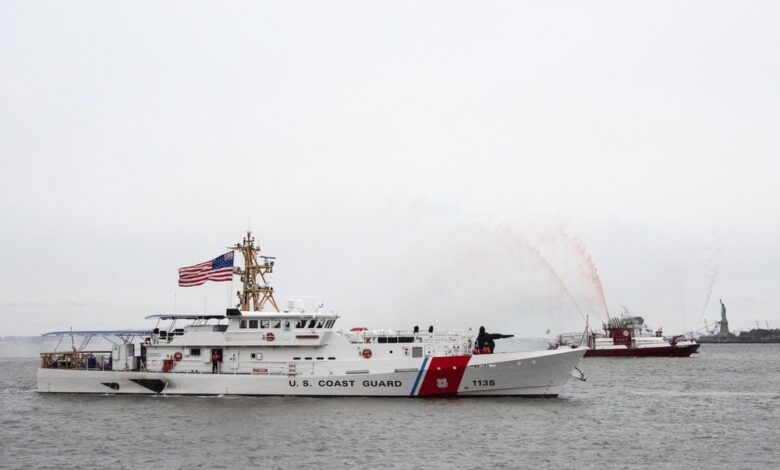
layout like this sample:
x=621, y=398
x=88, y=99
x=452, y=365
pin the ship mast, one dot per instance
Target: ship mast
x=254, y=296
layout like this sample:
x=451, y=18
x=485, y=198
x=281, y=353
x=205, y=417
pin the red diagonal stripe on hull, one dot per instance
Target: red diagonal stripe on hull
x=443, y=376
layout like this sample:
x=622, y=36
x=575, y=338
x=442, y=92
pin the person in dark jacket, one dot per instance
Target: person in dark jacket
x=485, y=343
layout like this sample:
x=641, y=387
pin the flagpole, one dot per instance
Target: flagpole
x=228, y=288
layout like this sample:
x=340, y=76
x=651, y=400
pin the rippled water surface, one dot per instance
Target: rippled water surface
x=718, y=409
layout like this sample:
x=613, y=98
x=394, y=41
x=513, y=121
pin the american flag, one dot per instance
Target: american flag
x=218, y=270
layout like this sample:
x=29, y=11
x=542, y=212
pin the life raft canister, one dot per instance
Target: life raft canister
x=269, y=337
x=367, y=353
x=177, y=356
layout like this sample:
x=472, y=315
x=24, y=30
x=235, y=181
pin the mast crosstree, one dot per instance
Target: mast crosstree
x=254, y=296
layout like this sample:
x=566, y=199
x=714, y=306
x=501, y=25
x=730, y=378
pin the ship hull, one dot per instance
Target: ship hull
x=655, y=351
x=542, y=374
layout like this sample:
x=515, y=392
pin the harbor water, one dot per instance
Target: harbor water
x=717, y=409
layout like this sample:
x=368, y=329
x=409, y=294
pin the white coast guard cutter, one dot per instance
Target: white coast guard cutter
x=293, y=352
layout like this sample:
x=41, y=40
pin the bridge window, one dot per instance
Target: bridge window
x=277, y=323
x=265, y=323
x=300, y=324
x=242, y=324
x=287, y=324
x=319, y=324
x=252, y=323
x=194, y=351
x=311, y=323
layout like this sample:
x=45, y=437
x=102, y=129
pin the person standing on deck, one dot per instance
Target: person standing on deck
x=215, y=358
x=485, y=343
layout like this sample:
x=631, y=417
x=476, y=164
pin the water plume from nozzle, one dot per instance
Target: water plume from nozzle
x=715, y=257
x=588, y=266
x=556, y=277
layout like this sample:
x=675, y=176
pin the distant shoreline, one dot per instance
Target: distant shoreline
x=738, y=341
x=756, y=335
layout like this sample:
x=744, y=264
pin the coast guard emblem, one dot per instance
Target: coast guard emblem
x=441, y=383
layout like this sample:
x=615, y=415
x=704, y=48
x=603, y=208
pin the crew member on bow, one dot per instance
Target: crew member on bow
x=485, y=343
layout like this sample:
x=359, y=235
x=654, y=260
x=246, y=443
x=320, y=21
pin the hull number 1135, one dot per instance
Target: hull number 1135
x=484, y=383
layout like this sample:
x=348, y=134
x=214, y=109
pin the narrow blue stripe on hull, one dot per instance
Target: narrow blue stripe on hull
x=419, y=375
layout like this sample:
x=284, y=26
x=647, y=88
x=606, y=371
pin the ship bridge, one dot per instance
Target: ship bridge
x=290, y=328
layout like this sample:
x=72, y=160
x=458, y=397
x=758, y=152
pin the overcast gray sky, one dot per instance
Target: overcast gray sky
x=454, y=163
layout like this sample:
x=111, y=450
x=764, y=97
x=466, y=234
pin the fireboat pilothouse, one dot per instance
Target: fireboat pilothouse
x=260, y=349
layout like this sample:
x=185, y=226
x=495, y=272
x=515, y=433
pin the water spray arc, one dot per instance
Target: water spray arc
x=556, y=276
x=717, y=255
x=592, y=272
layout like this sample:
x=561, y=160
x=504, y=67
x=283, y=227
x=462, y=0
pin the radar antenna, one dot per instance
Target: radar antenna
x=254, y=296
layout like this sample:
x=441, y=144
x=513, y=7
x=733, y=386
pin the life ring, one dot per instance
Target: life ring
x=366, y=353
x=625, y=332
x=177, y=356
x=269, y=337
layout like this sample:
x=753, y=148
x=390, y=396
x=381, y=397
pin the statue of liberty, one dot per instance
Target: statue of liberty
x=724, y=323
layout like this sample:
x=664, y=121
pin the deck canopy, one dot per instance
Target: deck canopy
x=98, y=332
x=166, y=316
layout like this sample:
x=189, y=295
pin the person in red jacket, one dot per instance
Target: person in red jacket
x=215, y=359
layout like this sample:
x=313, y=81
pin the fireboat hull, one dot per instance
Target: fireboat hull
x=538, y=374
x=656, y=351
